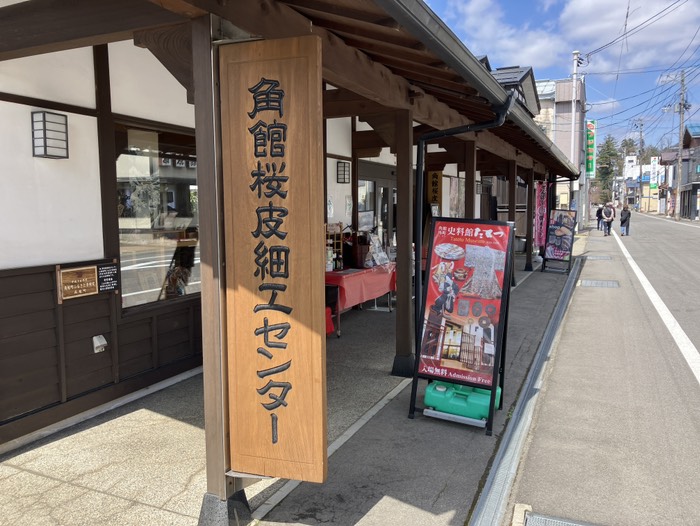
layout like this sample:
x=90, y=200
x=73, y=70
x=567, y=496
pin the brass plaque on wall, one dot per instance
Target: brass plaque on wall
x=272, y=152
x=77, y=282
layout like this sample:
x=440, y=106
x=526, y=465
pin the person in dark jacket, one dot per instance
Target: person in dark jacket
x=599, y=217
x=608, y=218
x=625, y=221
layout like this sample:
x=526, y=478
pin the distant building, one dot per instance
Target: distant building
x=555, y=119
x=522, y=81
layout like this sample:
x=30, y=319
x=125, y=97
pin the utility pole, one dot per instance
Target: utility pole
x=573, y=156
x=641, y=171
x=681, y=108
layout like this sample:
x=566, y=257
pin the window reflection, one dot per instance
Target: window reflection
x=157, y=206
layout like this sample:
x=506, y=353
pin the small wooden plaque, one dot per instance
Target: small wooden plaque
x=77, y=282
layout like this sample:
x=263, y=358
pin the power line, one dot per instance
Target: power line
x=622, y=48
x=637, y=71
x=668, y=98
x=661, y=14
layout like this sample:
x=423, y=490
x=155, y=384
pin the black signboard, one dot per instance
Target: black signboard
x=560, y=240
x=107, y=277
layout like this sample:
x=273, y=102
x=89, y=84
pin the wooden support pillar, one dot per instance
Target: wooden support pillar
x=470, y=179
x=512, y=169
x=354, y=181
x=530, y=213
x=512, y=185
x=210, y=235
x=404, y=359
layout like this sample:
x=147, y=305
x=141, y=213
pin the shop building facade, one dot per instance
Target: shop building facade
x=140, y=187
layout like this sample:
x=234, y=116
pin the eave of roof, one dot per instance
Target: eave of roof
x=417, y=17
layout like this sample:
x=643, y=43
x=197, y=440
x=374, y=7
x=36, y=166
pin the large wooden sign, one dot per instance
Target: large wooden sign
x=271, y=117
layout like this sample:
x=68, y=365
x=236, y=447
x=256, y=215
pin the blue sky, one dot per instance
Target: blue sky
x=627, y=83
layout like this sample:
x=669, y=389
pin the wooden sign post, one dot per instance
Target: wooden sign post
x=272, y=142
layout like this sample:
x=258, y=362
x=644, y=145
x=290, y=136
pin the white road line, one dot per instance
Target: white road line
x=663, y=218
x=688, y=350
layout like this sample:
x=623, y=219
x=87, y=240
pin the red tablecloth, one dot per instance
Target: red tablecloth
x=356, y=286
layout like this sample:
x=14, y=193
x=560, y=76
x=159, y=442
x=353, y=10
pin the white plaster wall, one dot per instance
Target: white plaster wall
x=51, y=208
x=339, y=137
x=142, y=87
x=62, y=77
x=385, y=157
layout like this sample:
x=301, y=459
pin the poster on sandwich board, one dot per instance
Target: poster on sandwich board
x=560, y=238
x=465, y=302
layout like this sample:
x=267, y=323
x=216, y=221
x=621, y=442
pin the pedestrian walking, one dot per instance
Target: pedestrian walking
x=625, y=221
x=608, y=217
x=599, y=217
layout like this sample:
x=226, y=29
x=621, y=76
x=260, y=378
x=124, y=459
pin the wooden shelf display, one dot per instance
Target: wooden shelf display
x=334, y=243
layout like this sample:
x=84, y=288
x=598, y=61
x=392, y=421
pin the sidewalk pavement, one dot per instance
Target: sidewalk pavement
x=614, y=437
x=144, y=462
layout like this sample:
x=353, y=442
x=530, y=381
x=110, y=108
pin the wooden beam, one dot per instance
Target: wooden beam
x=384, y=126
x=172, y=46
x=375, y=47
x=44, y=26
x=365, y=153
x=487, y=160
x=440, y=158
x=349, y=68
x=343, y=103
x=368, y=139
x=344, y=25
x=180, y=7
x=365, y=10
x=343, y=66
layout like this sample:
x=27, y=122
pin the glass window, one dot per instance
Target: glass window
x=365, y=206
x=158, y=215
x=365, y=195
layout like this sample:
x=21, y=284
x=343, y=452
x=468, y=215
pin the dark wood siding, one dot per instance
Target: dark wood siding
x=29, y=371
x=48, y=367
x=84, y=318
x=135, y=348
x=174, y=341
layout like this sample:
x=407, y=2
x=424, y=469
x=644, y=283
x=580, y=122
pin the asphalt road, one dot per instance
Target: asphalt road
x=615, y=439
x=669, y=255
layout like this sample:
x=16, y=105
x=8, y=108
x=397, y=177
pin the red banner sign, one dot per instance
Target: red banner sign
x=540, y=224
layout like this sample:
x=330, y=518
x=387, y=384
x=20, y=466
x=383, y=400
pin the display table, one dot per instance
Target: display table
x=356, y=286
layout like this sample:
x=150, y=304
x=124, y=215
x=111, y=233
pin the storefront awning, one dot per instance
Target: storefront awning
x=397, y=53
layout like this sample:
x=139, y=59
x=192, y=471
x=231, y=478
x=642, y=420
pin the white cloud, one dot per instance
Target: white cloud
x=485, y=30
x=546, y=5
x=580, y=24
x=594, y=23
x=604, y=105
